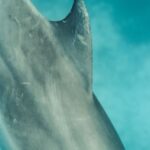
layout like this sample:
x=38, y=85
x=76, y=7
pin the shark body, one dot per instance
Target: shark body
x=46, y=98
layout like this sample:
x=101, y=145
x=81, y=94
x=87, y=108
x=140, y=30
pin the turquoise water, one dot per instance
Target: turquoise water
x=121, y=45
x=3, y=142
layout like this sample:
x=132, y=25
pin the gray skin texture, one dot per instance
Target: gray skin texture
x=46, y=98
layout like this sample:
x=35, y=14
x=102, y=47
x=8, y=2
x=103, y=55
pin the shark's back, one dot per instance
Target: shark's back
x=46, y=98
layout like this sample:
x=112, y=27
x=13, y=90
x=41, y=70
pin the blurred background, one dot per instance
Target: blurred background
x=121, y=48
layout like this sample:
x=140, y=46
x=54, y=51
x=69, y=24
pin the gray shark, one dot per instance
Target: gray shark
x=46, y=97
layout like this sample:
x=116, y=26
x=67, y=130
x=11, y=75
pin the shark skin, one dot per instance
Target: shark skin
x=46, y=98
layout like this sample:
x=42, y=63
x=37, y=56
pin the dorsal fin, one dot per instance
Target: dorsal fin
x=76, y=37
